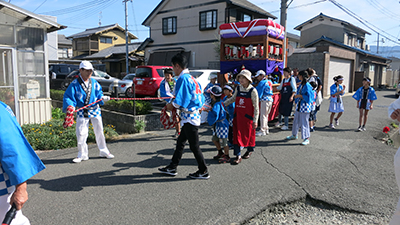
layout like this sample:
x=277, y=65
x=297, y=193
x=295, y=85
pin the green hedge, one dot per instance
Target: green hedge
x=142, y=107
x=56, y=94
x=52, y=135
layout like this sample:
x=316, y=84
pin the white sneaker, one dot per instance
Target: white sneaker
x=78, y=160
x=336, y=122
x=332, y=126
x=277, y=124
x=260, y=133
x=108, y=156
x=285, y=127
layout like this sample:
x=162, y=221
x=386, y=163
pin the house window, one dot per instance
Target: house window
x=106, y=40
x=372, y=67
x=169, y=25
x=240, y=16
x=208, y=20
x=246, y=17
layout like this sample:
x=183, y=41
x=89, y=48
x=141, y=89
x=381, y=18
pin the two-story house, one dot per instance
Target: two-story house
x=335, y=47
x=93, y=40
x=64, y=50
x=192, y=27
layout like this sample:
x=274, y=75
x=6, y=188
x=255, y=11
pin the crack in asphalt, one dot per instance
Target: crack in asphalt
x=352, y=163
x=309, y=197
x=287, y=175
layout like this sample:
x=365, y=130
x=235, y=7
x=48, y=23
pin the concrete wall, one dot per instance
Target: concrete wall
x=312, y=33
x=315, y=60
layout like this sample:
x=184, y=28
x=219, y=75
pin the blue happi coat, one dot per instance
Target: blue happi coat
x=207, y=94
x=18, y=161
x=166, y=90
x=189, y=97
x=264, y=91
x=217, y=117
x=370, y=97
x=334, y=89
x=230, y=109
x=305, y=104
x=76, y=96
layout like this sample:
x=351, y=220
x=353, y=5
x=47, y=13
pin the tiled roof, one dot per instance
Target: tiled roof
x=299, y=27
x=98, y=30
x=364, y=52
x=116, y=49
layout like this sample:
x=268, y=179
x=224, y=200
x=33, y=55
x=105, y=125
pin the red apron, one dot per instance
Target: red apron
x=243, y=132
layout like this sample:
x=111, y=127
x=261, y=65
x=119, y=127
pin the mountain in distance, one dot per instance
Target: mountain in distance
x=386, y=51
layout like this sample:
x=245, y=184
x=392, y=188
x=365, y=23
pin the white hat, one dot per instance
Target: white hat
x=86, y=65
x=213, y=76
x=260, y=72
x=246, y=74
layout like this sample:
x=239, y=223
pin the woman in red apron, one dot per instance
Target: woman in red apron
x=245, y=116
x=288, y=90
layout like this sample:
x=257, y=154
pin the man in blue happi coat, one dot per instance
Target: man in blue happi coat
x=81, y=92
x=189, y=99
x=18, y=163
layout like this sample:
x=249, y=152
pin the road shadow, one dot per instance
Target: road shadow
x=107, y=178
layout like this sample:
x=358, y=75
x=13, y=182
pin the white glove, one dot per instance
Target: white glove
x=106, y=98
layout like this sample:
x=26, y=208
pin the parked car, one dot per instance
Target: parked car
x=58, y=72
x=124, y=86
x=148, y=78
x=203, y=76
x=103, y=78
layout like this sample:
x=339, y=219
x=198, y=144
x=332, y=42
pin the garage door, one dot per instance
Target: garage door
x=339, y=67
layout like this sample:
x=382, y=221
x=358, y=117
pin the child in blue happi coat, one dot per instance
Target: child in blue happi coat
x=365, y=96
x=230, y=109
x=304, y=100
x=217, y=119
x=207, y=96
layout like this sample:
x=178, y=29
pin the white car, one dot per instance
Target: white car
x=203, y=76
x=124, y=86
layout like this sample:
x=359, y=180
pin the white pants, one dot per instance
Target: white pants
x=301, y=120
x=265, y=108
x=82, y=132
x=19, y=219
x=396, y=217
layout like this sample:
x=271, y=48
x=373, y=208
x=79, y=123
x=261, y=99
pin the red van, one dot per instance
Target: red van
x=148, y=78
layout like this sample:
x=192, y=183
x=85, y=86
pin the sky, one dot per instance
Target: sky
x=374, y=16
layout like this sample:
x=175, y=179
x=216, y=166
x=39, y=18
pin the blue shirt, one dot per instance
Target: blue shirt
x=76, y=96
x=189, y=98
x=264, y=91
x=18, y=160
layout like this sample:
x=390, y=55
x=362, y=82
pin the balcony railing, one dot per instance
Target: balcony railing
x=86, y=45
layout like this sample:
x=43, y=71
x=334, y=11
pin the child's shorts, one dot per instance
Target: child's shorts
x=312, y=115
x=223, y=141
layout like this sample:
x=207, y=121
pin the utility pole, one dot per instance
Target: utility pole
x=127, y=54
x=377, y=47
x=284, y=7
x=126, y=37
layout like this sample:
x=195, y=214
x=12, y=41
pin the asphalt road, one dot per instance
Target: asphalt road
x=349, y=169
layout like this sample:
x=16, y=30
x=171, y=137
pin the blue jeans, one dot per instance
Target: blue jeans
x=286, y=118
x=236, y=149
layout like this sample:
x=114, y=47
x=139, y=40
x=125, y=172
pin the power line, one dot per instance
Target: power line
x=90, y=12
x=75, y=8
x=364, y=22
x=303, y=5
x=40, y=5
x=134, y=19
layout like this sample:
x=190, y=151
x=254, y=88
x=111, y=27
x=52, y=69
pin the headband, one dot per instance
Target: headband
x=340, y=79
x=228, y=87
x=367, y=79
x=215, y=94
